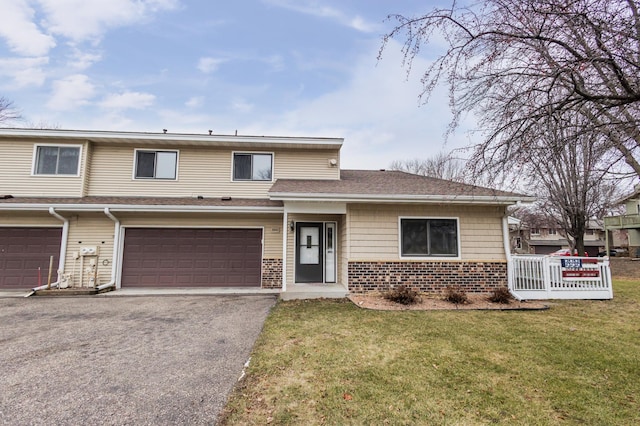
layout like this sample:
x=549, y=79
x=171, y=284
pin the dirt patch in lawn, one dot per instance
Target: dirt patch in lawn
x=475, y=302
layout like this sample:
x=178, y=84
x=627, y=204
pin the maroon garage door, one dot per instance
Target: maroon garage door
x=23, y=251
x=161, y=257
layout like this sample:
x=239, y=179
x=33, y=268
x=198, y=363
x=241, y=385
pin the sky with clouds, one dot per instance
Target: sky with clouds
x=258, y=67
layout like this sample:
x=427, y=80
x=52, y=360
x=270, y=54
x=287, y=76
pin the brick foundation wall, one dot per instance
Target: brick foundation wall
x=271, y=273
x=427, y=277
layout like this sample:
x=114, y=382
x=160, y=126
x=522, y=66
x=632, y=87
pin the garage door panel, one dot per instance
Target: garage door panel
x=185, y=257
x=22, y=251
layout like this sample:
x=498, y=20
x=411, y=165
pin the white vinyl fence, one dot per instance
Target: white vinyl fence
x=545, y=277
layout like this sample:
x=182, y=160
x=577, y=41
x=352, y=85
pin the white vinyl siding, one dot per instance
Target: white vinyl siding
x=374, y=231
x=202, y=171
x=90, y=230
x=16, y=174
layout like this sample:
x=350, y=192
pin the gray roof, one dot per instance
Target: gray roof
x=390, y=183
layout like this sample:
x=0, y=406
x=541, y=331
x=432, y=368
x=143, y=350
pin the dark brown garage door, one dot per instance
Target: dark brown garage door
x=23, y=251
x=192, y=257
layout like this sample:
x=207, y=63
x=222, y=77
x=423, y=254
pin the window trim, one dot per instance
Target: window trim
x=537, y=231
x=430, y=257
x=34, y=163
x=273, y=160
x=154, y=150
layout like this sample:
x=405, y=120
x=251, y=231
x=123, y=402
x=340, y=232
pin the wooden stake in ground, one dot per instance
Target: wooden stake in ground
x=50, y=268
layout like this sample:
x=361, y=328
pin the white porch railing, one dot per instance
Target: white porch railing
x=544, y=277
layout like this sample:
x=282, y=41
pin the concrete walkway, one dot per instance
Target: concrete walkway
x=314, y=291
x=294, y=292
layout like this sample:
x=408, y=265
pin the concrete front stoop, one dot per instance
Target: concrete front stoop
x=314, y=291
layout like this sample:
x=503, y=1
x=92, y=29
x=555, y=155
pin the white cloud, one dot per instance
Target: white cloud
x=71, y=92
x=81, y=20
x=242, y=106
x=128, y=100
x=80, y=60
x=208, y=65
x=313, y=8
x=377, y=111
x=22, y=35
x=24, y=71
x=195, y=102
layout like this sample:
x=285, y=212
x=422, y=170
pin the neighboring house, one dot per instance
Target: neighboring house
x=536, y=235
x=629, y=222
x=173, y=210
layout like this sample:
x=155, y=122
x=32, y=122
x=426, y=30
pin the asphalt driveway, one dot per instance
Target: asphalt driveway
x=126, y=360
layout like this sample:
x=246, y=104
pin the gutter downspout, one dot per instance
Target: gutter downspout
x=507, y=253
x=285, y=234
x=63, y=250
x=116, y=246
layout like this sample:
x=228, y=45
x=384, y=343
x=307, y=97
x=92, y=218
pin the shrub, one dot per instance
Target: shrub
x=403, y=295
x=455, y=294
x=500, y=295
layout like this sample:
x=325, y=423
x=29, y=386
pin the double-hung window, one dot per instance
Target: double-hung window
x=57, y=160
x=156, y=164
x=429, y=237
x=248, y=166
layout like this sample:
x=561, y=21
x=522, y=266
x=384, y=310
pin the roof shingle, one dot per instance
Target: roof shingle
x=383, y=182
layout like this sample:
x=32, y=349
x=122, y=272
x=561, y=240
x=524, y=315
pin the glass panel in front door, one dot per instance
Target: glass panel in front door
x=309, y=244
x=330, y=255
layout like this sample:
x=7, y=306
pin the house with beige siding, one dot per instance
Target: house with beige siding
x=161, y=210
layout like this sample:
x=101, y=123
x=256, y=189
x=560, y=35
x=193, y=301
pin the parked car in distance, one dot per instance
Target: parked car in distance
x=566, y=252
x=612, y=252
x=561, y=252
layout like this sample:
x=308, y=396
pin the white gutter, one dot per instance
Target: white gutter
x=63, y=243
x=507, y=253
x=142, y=208
x=285, y=234
x=108, y=136
x=116, y=245
x=63, y=252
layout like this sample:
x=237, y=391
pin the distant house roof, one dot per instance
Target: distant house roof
x=382, y=185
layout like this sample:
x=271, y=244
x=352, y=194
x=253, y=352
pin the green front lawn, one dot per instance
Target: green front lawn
x=330, y=362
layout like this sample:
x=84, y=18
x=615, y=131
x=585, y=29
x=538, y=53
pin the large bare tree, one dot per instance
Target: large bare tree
x=515, y=62
x=571, y=179
x=442, y=166
x=8, y=112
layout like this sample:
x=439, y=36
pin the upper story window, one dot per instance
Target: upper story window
x=535, y=231
x=589, y=232
x=156, y=164
x=553, y=231
x=61, y=160
x=422, y=237
x=247, y=166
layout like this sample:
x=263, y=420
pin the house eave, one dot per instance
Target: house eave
x=144, y=138
x=393, y=198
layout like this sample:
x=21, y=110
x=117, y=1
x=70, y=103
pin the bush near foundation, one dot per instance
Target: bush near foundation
x=456, y=295
x=403, y=295
x=501, y=295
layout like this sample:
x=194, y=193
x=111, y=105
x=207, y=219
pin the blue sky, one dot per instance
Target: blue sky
x=261, y=67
